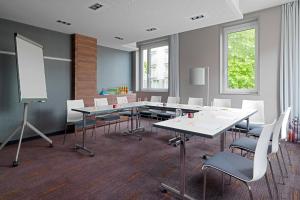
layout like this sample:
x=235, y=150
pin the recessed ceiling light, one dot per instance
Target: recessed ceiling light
x=96, y=6
x=151, y=29
x=119, y=38
x=197, y=17
x=63, y=22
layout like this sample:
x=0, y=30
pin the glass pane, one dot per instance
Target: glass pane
x=241, y=59
x=145, y=68
x=159, y=69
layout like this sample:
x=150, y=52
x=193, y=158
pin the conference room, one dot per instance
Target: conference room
x=146, y=100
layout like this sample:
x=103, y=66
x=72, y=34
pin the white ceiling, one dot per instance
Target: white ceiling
x=248, y=6
x=128, y=19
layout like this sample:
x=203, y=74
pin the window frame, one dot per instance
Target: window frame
x=224, y=89
x=149, y=46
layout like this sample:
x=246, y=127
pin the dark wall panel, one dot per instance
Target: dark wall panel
x=50, y=116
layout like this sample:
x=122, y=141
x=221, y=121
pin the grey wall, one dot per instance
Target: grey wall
x=114, y=68
x=50, y=116
x=202, y=48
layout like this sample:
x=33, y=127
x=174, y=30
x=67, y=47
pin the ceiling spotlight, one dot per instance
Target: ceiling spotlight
x=63, y=22
x=119, y=38
x=151, y=29
x=197, y=17
x=96, y=6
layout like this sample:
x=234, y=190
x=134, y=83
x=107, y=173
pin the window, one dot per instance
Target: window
x=155, y=66
x=239, y=66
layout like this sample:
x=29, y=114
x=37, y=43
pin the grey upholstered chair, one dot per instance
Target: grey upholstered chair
x=75, y=118
x=107, y=118
x=242, y=168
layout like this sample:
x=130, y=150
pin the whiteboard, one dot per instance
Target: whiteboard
x=31, y=70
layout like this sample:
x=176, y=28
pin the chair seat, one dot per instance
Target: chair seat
x=127, y=113
x=243, y=125
x=247, y=144
x=232, y=164
x=166, y=115
x=255, y=132
x=145, y=112
x=88, y=123
x=108, y=117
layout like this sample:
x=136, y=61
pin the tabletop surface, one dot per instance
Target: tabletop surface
x=209, y=122
x=109, y=108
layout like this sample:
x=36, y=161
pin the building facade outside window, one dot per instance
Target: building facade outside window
x=154, y=59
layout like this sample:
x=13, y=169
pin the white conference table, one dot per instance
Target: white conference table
x=88, y=111
x=209, y=122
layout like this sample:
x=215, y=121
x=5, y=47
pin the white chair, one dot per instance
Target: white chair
x=249, y=145
x=242, y=168
x=76, y=118
x=284, y=130
x=108, y=117
x=195, y=101
x=168, y=114
x=257, y=119
x=155, y=99
x=222, y=103
x=122, y=100
x=173, y=100
x=127, y=113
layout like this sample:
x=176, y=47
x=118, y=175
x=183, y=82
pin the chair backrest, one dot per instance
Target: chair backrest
x=260, y=161
x=174, y=100
x=259, y=116
x=155, y=99
x=73, y=116
x=276, y=133
x=285, y=123
x=195, y=101
x=222, y=103
x=100, y=102
x=122, y=100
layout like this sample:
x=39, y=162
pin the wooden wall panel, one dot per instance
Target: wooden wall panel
x=85, y=72
x=85, y=68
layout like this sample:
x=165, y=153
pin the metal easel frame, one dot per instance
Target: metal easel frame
x=22, y=127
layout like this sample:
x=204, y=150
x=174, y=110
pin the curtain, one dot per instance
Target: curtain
x=174, y=66
x=290, y=59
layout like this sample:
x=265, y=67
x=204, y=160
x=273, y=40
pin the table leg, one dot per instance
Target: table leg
x=181, y=192
x=82, y=146
x=133, y=130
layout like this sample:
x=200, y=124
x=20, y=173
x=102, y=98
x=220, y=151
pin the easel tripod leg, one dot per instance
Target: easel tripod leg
x=15, y=162
x=8, y=138
x=39, y=133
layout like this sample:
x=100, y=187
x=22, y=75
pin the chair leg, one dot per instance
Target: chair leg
x=250, y=191
x=268, y=185
x=66, y=126
x=127, y=122
x=286, y=171
x=273, y=177
x=204, y=183
x=116, y=126
x=119, y=124
x=108, y=128
x=280, y=169
x=223, y=183
x=288, y=153
x=104, y=128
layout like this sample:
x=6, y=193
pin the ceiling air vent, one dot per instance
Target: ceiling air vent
x=63, y=22
x=197, y=17
x=119, y=38
x=151, y=29
x=96, y=6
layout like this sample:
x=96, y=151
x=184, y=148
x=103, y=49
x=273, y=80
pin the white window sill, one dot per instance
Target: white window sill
x=154, y=90
x=240, y=92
